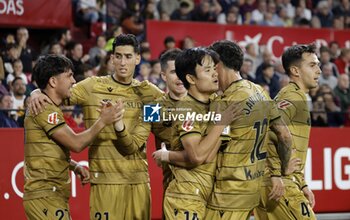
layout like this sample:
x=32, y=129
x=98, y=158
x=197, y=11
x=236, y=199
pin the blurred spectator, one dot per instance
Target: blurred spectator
x=342, y=9
x=286, y=20
x=304, y=11
x=325, y=58
x=246, y=69
x=333, y=50
x=324, y=13
x=132, y=21
x=114, y=10
x=284, y=80
x=247, y=7
x=107, y=67
x=338, y=22
x=230, y=16
x=20, y=120
x=207, y=11
x=184, y=12
x=88, y=10
x=187, y=43
x=168, y=6
x=98, y=52
x=88, y=71
x=267, y=58
x=6, y=104
x=26, y=53
x=251, y=52
x=269, y=78
x=258, y=13
x=55, y=48
x=335, y=117
x=155, y=76
x=17, y=72
x=145, y=54
x=169, y=43
x=342, y=91
x=315, y=22
x=327, y=76
x=145, y=71
x=116, y=31
x=290, y=9
x=18, y=89
x=151, y=11
x=12, y=54
x=343, y=61
x=75, y=54
x=164, y=16
x=318, y=114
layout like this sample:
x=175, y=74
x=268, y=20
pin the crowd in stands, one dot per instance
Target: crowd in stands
x=329, y=103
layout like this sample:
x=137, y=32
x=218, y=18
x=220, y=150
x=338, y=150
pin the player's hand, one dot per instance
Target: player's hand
x=111, y=113
x=293, y=165
x=37, y=102
x=83, y=174
x=277, y=190
x=230, y=114
x=310, y=196
x=161, y=155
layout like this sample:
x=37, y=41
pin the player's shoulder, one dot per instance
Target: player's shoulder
x=292, y=93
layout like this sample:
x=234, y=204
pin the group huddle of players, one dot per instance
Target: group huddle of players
x=252, y=159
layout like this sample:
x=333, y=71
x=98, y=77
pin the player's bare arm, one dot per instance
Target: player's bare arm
x=78, y=142
x=284, y=144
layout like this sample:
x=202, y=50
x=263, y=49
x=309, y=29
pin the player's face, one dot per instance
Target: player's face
x=309, y=70
x=125, y=60
x=207, y=76
x=65, y=81
x=174, y=84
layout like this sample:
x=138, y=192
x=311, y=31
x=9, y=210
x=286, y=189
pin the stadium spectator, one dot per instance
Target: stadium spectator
x=325, y=58
x=75, y=54
x=17, y=72
x=246, y=69
x=324, y=13
x=107, y=66
x=206, y=11
x=184, y=12
x=18, y=90
x=98, y=52
x=168, y=6
x=343, y=61
x=6, y=104
x=26, y=52
x=342, y=91
x=327, y=76
x=269, y=78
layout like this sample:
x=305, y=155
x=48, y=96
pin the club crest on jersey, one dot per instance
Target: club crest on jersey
x=187, y=125
x=284, y=104
x=52, y=118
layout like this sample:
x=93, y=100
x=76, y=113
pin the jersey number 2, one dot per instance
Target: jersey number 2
x=260, y=128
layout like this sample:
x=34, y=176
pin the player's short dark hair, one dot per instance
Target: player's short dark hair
x=186, y=62
x=231, y=55
x=126, y=40
x=48, y=66
x=169, y=55
x=293, y=55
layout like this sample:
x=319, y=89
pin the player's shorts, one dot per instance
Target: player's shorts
x=183, y=208
x=120, y=201
x=292, y=205
x=53, y=208
x=226, y=215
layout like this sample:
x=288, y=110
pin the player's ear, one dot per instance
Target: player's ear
x=294, y=70
x=190, y=79
x=138, y=59
x=52, y=81
x=162, y=74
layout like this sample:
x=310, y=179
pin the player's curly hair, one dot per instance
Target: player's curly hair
x=293, y=55
x=48, y=66
x=231, y=55
x=126, y=40
x=186, y=62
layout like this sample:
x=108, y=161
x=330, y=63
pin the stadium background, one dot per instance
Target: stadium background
x=328, y=166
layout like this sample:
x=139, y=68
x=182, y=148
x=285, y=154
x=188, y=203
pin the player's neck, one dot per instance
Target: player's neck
x=122, y=80
x=231, y=76
x=55, y=98
x=177, y=96
x=203, y=97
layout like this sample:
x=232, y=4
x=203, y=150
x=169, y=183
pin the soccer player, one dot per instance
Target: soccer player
x=176, y=90
x=302, y=66
x=191, y=144
x=117, y=158
x=48, y=142
x=240, y=163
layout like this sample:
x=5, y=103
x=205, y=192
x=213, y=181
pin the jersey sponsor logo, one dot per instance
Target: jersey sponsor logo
x=52, y=118
x=284, y=104
x=110, y=89
x=187, y=125
x=151, y=113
